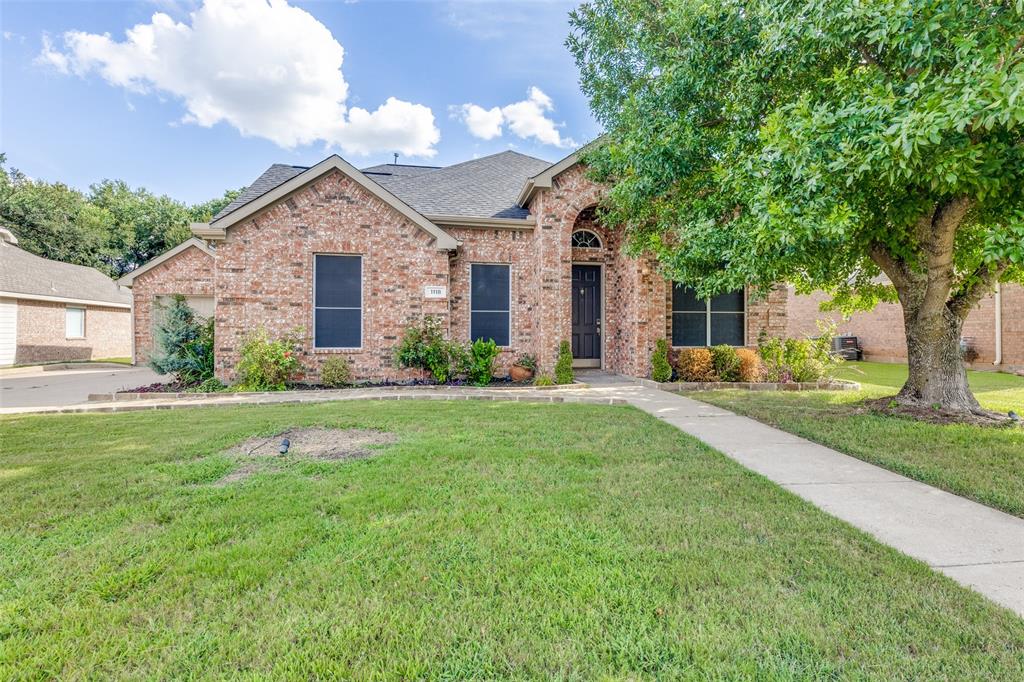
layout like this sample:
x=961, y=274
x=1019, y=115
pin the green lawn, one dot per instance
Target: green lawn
x=493, y=540
x=984, y=464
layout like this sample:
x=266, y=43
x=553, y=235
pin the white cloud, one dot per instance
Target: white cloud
x=482, y=123
x=50, y=57
x=525, y=119
x=264, y=67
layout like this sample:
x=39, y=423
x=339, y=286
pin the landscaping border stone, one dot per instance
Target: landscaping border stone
x=328, y=394
x=679, y=386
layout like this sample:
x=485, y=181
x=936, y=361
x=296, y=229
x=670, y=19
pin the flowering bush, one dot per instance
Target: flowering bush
x=423, y=346
x=266, y=364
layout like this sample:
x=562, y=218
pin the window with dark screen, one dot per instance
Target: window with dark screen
x=700, y=322
x=338, y=301
x=490, y=309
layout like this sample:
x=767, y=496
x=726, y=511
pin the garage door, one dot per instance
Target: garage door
x=8, y=330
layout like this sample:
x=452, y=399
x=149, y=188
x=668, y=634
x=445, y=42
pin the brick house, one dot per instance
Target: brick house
x=52, y=311
x=993, y=331
x=503, y=247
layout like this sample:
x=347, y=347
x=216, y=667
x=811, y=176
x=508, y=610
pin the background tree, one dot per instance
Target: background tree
x=54, y=221
x=204, y=212
x=113, y=228
x=820, y=143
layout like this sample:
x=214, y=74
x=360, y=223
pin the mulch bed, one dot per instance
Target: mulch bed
x=177, y=387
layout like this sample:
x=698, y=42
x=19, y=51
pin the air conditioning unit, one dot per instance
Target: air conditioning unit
x=847, y=347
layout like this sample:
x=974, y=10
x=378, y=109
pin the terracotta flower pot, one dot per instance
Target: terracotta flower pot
x=519, y=374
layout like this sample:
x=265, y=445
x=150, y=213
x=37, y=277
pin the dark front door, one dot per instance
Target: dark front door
x=586, y=313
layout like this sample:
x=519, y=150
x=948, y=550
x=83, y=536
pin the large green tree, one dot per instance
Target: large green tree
x=821, y=143
x=53, y=220
x=113, y=228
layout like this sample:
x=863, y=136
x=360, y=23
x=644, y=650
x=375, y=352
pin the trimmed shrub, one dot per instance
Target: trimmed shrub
x=423, y=346
x=694, y=364
x=184, y=343
x=661, y=371
x=801, y=360
x=543, y=380
x=268, y=364
x=726, y=362
x=481, y=361
x=750, y=365
x=336, y=372
x=563, y=368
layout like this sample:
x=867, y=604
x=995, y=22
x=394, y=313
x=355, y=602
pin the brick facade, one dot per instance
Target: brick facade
x=882, y=336
x=41, y=333
x=189, y=273
x=262, y=276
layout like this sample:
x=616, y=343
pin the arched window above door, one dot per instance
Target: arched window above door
x=585, y=239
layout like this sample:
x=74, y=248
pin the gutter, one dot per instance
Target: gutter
x=999, y=326
x=65, y=299
x=527, y=223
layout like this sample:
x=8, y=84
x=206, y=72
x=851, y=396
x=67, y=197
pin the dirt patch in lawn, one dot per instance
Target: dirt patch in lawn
x=261, y=453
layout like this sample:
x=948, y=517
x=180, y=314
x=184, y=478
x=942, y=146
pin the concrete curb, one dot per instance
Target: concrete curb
x=326, y=394
x=677, y=386
x=275, y=399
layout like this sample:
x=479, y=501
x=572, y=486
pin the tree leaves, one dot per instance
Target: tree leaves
x=113, y=228
x=837, y=126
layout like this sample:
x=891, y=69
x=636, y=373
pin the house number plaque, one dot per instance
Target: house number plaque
x=431, y=291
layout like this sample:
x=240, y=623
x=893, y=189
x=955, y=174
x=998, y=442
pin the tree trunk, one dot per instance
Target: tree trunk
x=937, y=373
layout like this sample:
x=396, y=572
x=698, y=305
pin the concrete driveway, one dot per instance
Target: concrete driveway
x=34, y=387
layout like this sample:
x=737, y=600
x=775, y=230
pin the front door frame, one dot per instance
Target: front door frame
x=590, y=363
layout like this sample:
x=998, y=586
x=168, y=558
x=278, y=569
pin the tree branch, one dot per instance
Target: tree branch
x=939, y=251
x=894, y=268
x=985, y=278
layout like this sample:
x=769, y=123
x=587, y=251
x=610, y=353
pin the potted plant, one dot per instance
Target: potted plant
x=524, y=367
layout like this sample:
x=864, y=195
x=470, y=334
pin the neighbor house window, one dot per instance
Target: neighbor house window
x=585, y=239
x=337, y=301
x=489, y=303
x=74, y=323
x=702, y=322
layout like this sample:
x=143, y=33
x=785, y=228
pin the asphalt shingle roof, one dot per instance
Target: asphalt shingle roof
x=22, y=272
x=481, y=188
x=389, y=171
x=278, y=174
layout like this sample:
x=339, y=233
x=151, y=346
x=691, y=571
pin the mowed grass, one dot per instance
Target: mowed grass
x=493, y=540
x=984, y=464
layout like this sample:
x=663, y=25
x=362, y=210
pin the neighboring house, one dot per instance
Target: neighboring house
x=503, y=247
x=53, y=311
x=993, y=331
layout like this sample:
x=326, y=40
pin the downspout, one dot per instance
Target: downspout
x=999, y=327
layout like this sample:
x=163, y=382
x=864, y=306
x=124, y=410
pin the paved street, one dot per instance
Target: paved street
x=32, y=387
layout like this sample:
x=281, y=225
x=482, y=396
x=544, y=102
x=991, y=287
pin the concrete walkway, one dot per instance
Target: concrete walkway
x=977, y=546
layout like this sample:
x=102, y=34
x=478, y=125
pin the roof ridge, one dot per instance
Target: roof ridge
x=482, y=158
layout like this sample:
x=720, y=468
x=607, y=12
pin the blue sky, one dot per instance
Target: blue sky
x=204, y=96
